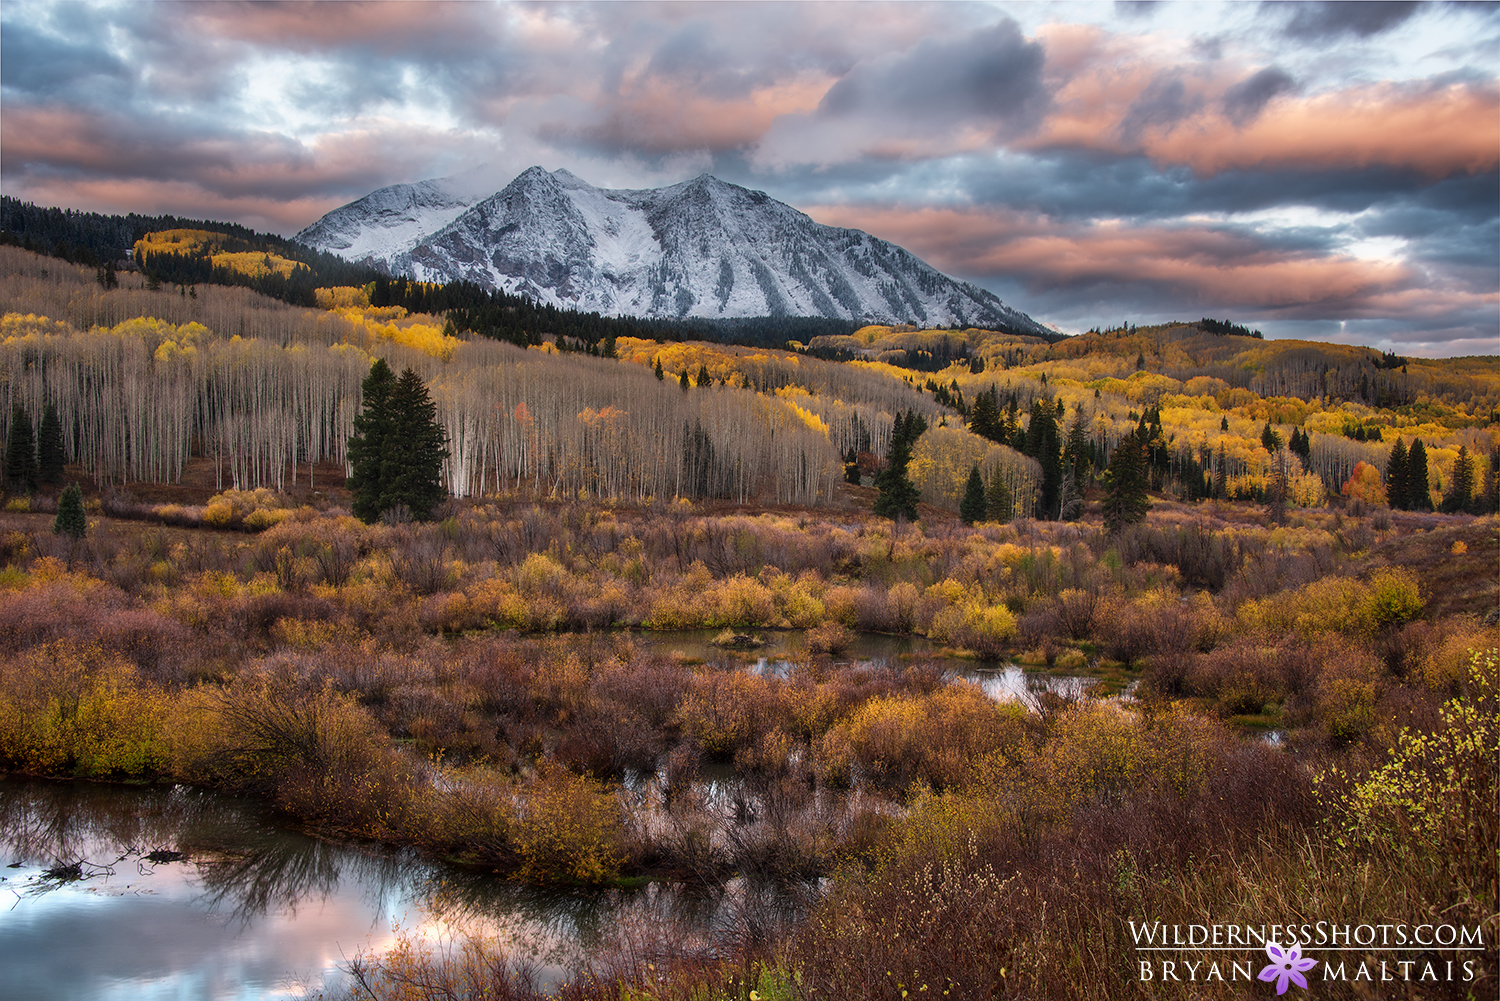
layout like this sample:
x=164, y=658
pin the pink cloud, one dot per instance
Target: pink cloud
x=1194, y=265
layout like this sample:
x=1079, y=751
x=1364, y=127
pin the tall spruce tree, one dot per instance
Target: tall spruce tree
x=1457, y=498
x=1397, y=479
x=971, y=508
x=49, y=447
x=984, y=419
x=412, y=474
x=1418, y=492
x=20, y=453
x=1078, y=453
x=998, y=505
x=1042, y=444
x=1125, y=499
x=898, y=495
x=374, y=427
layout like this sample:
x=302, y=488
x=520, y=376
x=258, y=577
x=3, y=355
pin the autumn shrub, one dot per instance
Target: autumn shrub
x=724, y=711
x=266, y=727
x=830, y=638
x=72, y=709
x=1444, y=657
x=740, y=601
x=567, y=829
x=955, y=736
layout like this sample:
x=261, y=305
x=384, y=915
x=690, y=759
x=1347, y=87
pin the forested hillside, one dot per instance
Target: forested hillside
x=551, y=403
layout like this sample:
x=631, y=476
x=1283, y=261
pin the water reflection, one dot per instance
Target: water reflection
x=785, y=652
x=98, y=905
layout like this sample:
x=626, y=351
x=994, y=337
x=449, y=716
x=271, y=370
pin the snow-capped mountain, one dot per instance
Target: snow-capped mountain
x=702, y=248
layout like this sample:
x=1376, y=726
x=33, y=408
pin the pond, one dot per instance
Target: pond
x=783, y=650
x=151, y=894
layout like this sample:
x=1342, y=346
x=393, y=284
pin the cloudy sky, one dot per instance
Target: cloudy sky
x=1315, y=170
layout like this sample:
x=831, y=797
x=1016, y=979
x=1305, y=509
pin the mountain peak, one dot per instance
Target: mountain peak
x=699, y=248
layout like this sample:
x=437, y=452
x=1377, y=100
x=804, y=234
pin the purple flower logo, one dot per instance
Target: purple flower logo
x=1286, y=966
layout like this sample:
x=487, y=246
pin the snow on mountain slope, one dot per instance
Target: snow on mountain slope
x=702, y=248
x=394, y=219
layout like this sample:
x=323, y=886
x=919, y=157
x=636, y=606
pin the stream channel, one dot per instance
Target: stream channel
x=130, y=893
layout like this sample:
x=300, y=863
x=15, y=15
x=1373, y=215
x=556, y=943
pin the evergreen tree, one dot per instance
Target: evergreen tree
x=50, y=458
x=1418, y=493
x=70, y=520
x=374, y=427
x=20, y=453
x=412, y=474
x=1078, y=453
x=660, y=375
x=703, y=377
x=971, y=508
x=1125, y=500
x=1397, y=478
x=851, y=467
x=984, y=419
x=682, y=381
x=1042, y=445
x=1269, y=438
x=898, y=495
x=1224, y=423
x=1461, y=484
x=998, y=506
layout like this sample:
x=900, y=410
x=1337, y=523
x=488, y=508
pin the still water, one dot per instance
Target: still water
x=252, y=912
x=111, y=893
x=784, y=650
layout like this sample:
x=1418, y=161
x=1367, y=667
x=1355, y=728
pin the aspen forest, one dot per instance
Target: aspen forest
x=858, y=664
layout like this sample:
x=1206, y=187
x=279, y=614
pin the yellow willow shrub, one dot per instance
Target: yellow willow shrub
x=741, y=601
x=1096, y=750
x=561, y=682
x=491, y=603
x=953, y=737
x=1445, y=667
x=1395, y=597
x=262, y=729
x=312, y=634
x=1435, y=801
x=67, y=709
x=943, y=825
x=901, y=606
x=724, y=711
x=840, y=604
x=540, y=574
x=684, y=604
x=568, y=829
x=797, y=600
x=1333, y=604
x=1187, y=749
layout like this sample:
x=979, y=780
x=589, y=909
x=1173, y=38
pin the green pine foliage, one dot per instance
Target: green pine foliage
x=984, y=419
x=898, y=495
x=1043, y=444
x=1418, y=491
x=50, y=457
x=70, y=519
x=971, y=508
x=999, y=507
x=1456, y=499
x=412, y=473
x=1396, y=477
x=20, y=453
x=374, y=427
x=1125, y=501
